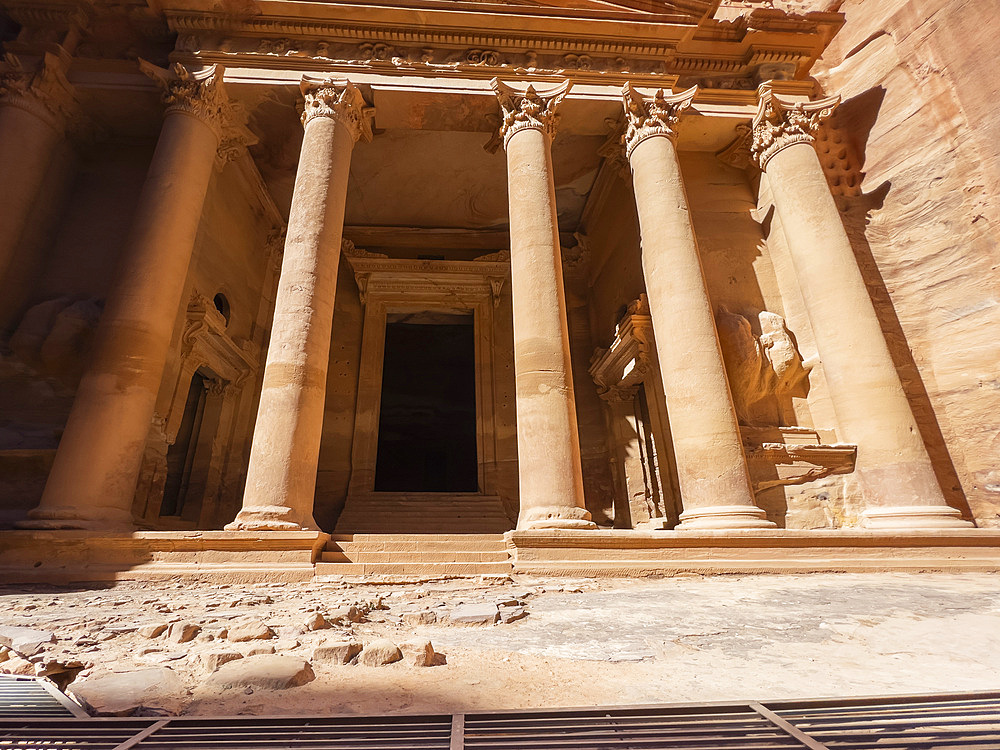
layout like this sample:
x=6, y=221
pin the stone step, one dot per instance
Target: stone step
x=419, y=538
x=444, y=548
x=369, y=556
x=429, y=569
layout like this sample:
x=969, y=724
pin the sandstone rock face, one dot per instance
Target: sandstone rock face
x=146, y=692
x=917, y=136
x=269, y=671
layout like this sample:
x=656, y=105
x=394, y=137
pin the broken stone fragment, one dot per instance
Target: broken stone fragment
x=17, y=665
x=316, y=621
x=25, y=641
x=269, y=671
x=182, y=632
x=510, y=614
x=336, y=652
x=212, y=660
x=146, y=692
x=379, y=652
x=154, y=630
x=426, y=617
x=417, y=653
x=345, y=615
x=258, y=648
x=249, y=630
x=475, y=614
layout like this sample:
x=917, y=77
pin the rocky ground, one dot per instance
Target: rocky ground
x=463, y=645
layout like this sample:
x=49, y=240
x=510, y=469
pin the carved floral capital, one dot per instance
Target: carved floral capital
x=203, y=95
x=340, y=100
x=44, y=92
x=656, y=115
x=531, y=109
x=780, y=123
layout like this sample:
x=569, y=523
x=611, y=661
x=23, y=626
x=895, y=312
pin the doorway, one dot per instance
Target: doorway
x=427, y=417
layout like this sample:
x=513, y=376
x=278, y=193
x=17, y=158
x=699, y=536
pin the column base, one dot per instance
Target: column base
x=914, y=517
x=68, y=517
x=269, y=518
x=724, y=517
x=555, y=517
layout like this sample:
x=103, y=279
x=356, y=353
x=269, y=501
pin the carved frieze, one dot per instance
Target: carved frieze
x=44, y=92
x=528, y=109
x=205, y=342
x=340, y=100
x=657, y=115
x=620, y=368
x=781, y=122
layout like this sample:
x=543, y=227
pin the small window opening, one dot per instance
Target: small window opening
x=222, y=305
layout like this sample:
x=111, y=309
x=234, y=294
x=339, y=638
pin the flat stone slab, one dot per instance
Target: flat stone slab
x=157, y=691
x=26, y=641
x=475, y=614
x=268, y=671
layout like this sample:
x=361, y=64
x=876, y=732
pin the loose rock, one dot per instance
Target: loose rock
x=426, y=617
x=336, y=652
x=182, y=632
x=316, y=621
x=146, y=692
x=417, y=653
x=25, y=641
x=152, y=631
x=268, y=671
x=249, y=630
x=379, y=652
x=212, y=660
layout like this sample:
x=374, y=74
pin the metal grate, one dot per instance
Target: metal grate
x=22, y=697
x=924, y=722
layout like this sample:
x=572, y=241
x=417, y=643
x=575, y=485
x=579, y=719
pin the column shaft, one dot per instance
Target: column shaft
x=548, y=441
x=898, y=482
x=281, y=478
x=711, y=465
x=92, y=481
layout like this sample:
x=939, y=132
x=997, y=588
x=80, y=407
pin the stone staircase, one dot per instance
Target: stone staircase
x=424, y=555
x=423, y=513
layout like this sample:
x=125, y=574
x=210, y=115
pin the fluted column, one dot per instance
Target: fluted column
x=281, y=478
x=548, y=443
x=711, y=466
x=35, y=109
x=93, y=478
x=894, y=470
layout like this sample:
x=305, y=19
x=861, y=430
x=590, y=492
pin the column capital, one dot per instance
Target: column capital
x=203, y=95
x=656, y=115
x=781, y=122
x=340, y=100
x=44, y=92
x=533, y=109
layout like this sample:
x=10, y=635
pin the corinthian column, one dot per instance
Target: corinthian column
x=897, y=480
x=281, y=479
x=548, y=443
x=711, y=466
x=35, y=108
x=93, y=478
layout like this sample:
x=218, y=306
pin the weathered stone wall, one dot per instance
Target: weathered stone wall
x=920, y=118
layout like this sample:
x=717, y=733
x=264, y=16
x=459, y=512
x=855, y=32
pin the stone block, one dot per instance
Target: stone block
x=475, y=614
x=182, y=632
x=156, y=691
x=249, y=630
x=25, y=641
x=268, y=671
x=379, y=653
x=417, y=653
x=336, y=652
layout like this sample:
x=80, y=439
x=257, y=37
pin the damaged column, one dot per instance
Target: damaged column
x=281, y=479
x=92, y=482
x=711, y=465
x=897, y=480
x=548, y=443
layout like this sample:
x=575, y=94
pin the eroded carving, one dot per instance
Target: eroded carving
x=657, y=115
x=44, y=93
x=759, y=366
x=780, y=123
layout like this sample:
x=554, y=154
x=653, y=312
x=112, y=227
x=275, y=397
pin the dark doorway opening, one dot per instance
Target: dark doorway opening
x=427, y=421
x=180, y=455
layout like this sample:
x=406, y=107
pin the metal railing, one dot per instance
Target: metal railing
x=913, y=722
